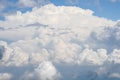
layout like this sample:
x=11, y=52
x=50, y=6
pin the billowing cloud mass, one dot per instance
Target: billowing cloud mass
x=59, y=43
x=5, y=76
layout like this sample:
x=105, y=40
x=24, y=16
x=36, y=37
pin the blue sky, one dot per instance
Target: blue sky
x=104, y=8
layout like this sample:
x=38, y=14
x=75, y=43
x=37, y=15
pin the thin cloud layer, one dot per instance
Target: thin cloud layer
x=27, y=3
x=59, y=43
x=32, y=3
x=115, y=0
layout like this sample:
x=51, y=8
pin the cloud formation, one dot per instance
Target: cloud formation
x=2, y=50
x=45, y=71
x=66, y=17
x=5, y=76
x=59, y=43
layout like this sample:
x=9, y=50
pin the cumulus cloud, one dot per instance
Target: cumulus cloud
x=2, y=50
x=5, y=76
x=44, y=71
x=66, y=17
x=59, y=42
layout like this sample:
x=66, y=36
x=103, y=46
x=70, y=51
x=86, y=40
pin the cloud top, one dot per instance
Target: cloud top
x=59, y=42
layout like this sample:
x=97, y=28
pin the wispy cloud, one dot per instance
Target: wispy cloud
x=32, y=3
x=115, y=0
x=72, y=2
x=97, y=2
x=26, y=3
x=1, y=6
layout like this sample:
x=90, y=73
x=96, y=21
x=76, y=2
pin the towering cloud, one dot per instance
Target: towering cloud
x=59, y=43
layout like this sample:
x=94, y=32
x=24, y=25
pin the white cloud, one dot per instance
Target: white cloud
x=5, y=76
x=55, y=42
x=91, y=57
x=114, y=57
x=53, y=15
x=27, y=3
x=59, y=16
x=45, y=71
x=2, y=50
x=114, y=75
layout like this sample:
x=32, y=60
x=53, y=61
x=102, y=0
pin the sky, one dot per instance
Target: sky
x=103, y=8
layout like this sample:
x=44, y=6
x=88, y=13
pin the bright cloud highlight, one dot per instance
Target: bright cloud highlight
x=59, y=43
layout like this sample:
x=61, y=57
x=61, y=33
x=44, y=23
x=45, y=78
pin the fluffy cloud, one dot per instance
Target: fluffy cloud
x=5, y=76
x=59, y=42
x=45, y=71
x=2, y=49
x=62, y=17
